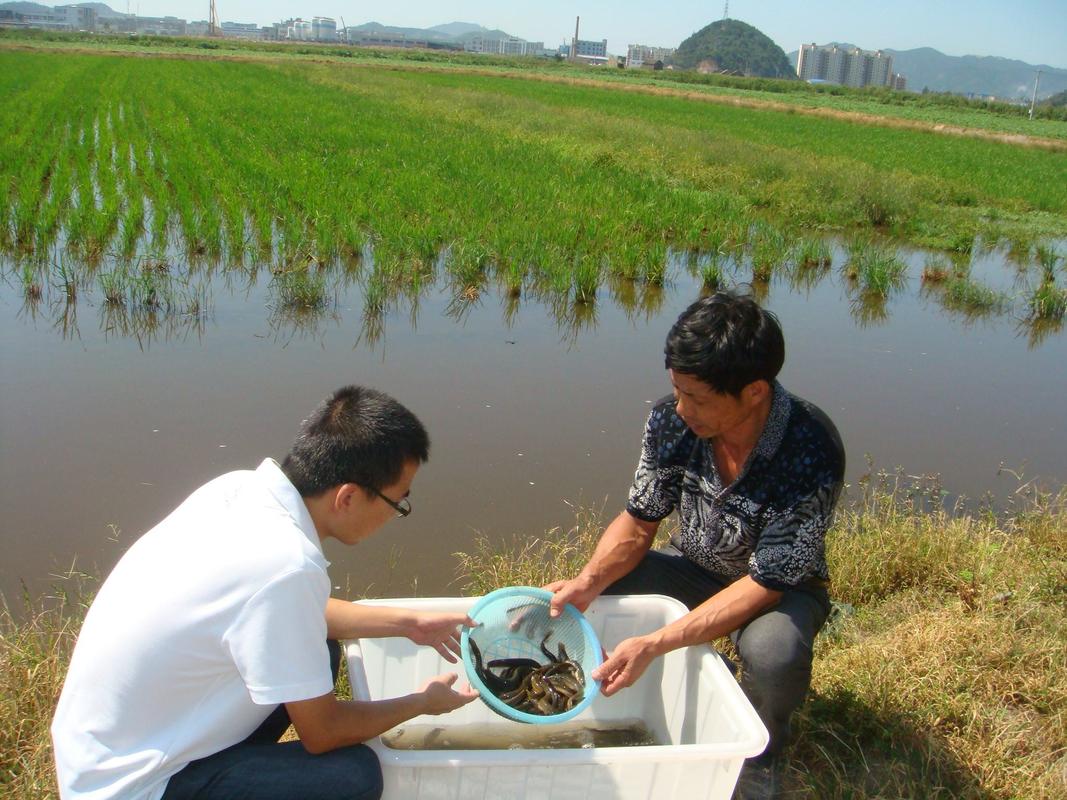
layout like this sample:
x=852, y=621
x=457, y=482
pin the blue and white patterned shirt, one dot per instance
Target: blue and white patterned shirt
x=771, y=522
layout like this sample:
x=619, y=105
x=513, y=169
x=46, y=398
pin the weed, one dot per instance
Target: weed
x=874, y=270
x=936, y=269
x=1048, y=302
x=300, y=287
x=966, y=294
x=811, y=253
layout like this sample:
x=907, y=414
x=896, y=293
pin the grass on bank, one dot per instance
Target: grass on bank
x=949, y=680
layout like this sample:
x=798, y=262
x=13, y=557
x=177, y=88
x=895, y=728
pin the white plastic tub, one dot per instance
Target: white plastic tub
x=688, y=700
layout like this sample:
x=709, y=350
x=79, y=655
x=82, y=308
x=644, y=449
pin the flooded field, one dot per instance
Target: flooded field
x=111, y=414
x=516, y=736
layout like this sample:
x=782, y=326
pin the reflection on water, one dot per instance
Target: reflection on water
x=151, y=298
x=129, y=382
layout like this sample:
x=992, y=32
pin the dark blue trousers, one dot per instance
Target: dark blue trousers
x=261, y=768
x=775, y=647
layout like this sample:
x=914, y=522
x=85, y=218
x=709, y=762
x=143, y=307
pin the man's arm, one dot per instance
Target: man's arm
x=620, y=549
x=722, y=613
x=326, y=723
x=346, y=620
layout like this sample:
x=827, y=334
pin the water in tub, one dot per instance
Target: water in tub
x=516, y=736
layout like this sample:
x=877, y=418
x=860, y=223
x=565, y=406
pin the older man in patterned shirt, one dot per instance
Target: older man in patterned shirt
x=754, y=474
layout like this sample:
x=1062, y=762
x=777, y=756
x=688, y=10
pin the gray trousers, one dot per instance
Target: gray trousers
x=775, y=647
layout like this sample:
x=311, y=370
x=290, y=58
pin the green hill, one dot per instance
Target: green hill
x=734, y=46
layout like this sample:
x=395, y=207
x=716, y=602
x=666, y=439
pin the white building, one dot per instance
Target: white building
x=510, y=46
x=640, y=55
x=853, y=67
x=324, y=29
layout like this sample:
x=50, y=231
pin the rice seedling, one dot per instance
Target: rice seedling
x=149, y=288
x=67, y=279
x=31, y=282
x=711, y=273
x=769, y=251
x=874, y=270
x=586, y=278
x=811, y=253
x=1048, y=302
x=936, y=269
x=1048, y=259
x=962, y=293
x=300, y=288
x=114, y=285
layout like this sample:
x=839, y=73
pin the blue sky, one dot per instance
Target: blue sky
x=1029, y=30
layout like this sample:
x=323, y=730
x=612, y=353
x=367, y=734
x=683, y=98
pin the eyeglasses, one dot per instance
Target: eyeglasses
x=402, y=509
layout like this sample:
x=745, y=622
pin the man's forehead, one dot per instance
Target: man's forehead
x=690, y=384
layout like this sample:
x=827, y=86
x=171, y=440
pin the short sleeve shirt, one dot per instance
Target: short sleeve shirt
x=771, y=522
x=207, y=622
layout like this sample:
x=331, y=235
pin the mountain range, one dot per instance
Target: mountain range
x=450, y=33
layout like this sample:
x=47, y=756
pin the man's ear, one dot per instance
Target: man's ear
x=757, y=391
x=344, y=495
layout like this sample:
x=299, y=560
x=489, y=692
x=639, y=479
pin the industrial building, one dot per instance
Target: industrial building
x=504, y=46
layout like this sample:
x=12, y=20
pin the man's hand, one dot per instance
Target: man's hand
x=626, y=664
x=579, y=592
x=439, y=631
x=440, y=697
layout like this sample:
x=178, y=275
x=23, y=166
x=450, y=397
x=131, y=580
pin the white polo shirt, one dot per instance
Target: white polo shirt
x=208, y=621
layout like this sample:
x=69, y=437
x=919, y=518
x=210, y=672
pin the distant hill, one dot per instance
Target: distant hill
x=411, y=33
x=1058, y=99
x=1004, y=78
x=26, y=8
x=102, y=10
x=452, y=33
x=732, y=45
x=456, y=28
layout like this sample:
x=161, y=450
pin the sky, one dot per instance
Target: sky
x=1034, y=31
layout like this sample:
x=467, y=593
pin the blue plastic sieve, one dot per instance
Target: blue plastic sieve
x=514, y=623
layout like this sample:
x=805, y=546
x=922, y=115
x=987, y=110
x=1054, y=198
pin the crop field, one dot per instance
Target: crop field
x=402, y=174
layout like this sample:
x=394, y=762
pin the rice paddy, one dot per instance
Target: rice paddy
x=399, y=178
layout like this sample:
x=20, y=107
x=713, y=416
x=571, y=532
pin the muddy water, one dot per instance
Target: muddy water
x=107, y=425
x=516, y=736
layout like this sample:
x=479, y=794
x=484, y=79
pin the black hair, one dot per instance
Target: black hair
x=357, y=435
x=727, y=341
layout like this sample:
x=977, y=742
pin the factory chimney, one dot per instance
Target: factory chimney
x=574, y=41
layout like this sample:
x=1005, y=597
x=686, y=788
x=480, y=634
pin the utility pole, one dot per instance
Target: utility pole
x=1033, y=99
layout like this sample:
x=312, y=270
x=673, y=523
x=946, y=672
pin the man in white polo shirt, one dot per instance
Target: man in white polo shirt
x=216, y=630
